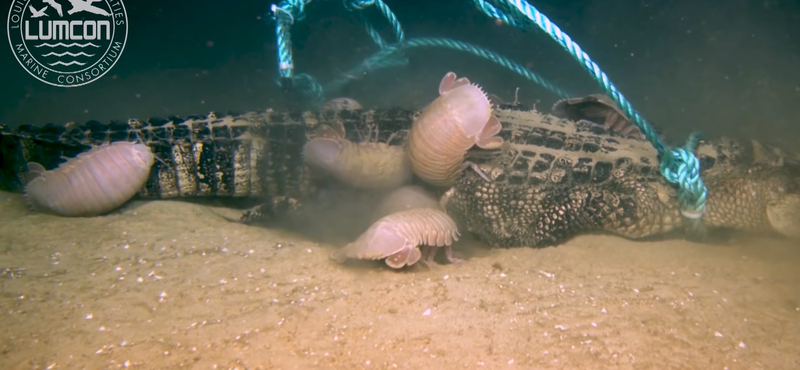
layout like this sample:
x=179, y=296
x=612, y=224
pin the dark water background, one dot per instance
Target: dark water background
x=721, y=67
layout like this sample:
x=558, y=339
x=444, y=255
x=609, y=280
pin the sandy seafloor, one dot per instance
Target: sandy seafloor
x=171, y=284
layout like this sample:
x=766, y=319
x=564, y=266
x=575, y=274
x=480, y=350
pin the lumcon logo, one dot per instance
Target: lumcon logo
x=67, y=43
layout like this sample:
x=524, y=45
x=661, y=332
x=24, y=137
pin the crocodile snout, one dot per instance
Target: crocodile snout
x=784, y=215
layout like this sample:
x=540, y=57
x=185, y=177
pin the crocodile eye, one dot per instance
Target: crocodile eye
x=497, y=173
x=564, y=162
x=557, y=176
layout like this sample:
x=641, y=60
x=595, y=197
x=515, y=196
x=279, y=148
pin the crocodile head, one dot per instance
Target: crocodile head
x=784, y=215
x=783, y=211
x=556, y=179
x=760, y=190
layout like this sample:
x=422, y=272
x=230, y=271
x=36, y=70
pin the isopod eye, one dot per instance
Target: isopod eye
x=322, y=153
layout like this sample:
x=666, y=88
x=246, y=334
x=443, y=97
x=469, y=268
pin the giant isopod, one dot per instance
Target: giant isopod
x=93, y=183
x=397, y=236
x=403, y=199
x=367, y=165
x=447, y=128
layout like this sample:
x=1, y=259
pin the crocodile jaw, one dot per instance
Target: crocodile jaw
x=784, y=216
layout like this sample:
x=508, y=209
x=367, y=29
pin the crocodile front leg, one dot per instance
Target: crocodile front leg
x=276, y=209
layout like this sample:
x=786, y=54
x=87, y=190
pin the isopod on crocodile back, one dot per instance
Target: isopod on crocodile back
x=447, y=128
x=91, y=184
x=397, y=237
x=367, y=165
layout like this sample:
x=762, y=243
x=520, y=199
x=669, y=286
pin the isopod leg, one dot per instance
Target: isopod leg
x=339, y=255
x=448, y=252
x=475, y=168
x=429, y=253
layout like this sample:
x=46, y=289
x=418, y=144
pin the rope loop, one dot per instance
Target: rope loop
x=289, y=11
x=353, y=5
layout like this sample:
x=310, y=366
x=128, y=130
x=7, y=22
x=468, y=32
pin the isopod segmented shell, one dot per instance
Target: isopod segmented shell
x=361, y=165
x=93, y=183
x=403, y=199
x=447, y=128
x=397, y=236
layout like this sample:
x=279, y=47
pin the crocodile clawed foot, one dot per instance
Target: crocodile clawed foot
x=274, y=209
x=256, y=215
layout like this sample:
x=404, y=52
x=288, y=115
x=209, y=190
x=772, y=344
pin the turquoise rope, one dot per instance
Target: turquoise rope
x=354, y=5
x=678, y=165
x=493, y=12
x=393, y=56
x=286, y=12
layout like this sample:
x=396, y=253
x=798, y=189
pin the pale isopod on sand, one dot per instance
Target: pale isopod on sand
x=447, y=128
x=93, y=183
x=397, y=236
x=403, y=199
x=362, y=165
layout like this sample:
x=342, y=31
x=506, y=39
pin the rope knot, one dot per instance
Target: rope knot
x=352, y=5
x=289, y=11
x=682, y=167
